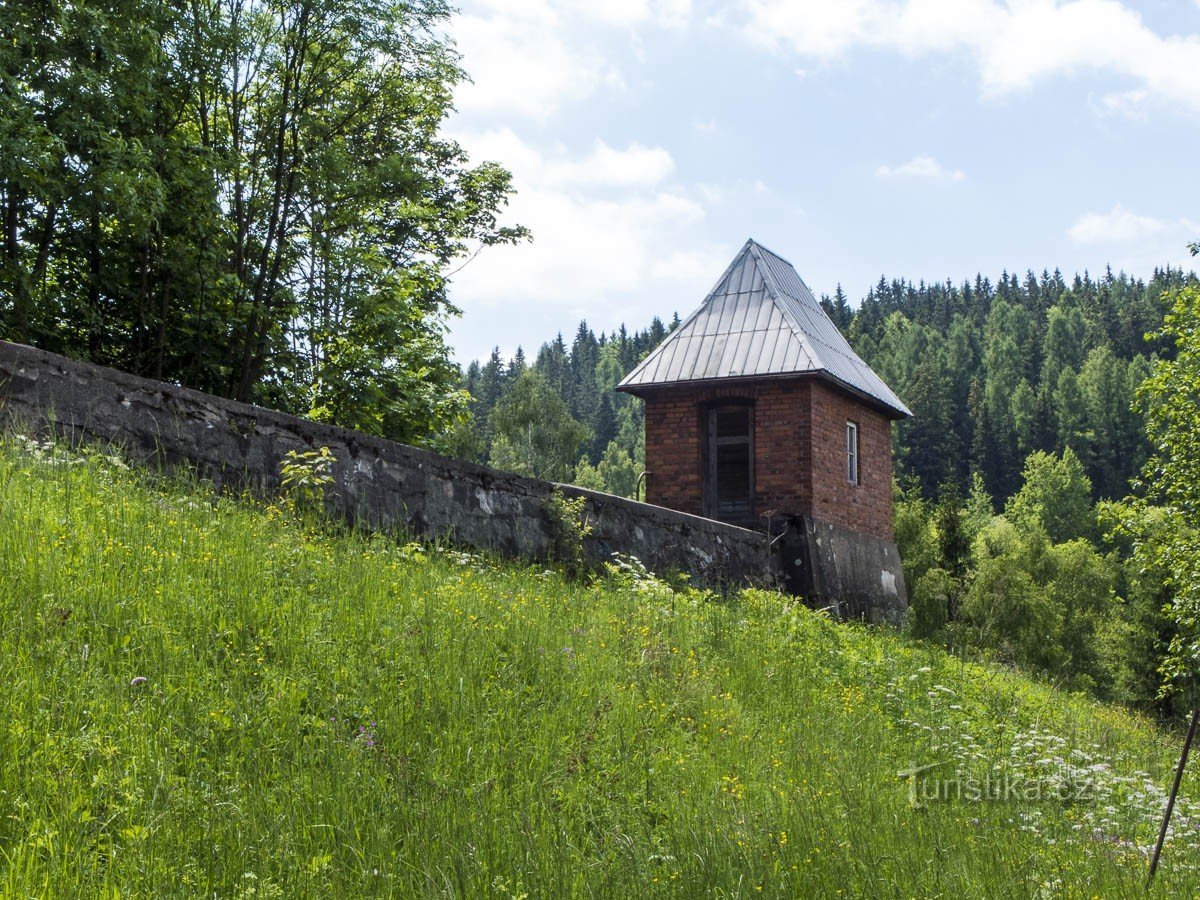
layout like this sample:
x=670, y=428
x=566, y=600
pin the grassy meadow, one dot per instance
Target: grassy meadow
x=203, y=697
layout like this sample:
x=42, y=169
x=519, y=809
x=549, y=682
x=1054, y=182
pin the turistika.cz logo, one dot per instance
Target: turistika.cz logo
x=933, y=784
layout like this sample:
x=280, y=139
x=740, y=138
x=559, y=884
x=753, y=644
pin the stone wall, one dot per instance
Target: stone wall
x=378, y=483
x=384, y=485
x=855, y=574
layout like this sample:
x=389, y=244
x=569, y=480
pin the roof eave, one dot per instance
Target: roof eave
x=892, y=412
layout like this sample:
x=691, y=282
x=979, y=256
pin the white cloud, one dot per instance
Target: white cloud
x=709, y=126
x=666, y=13
x=921, y=167
x=521, y=62
x=812, y=27
x=1013, y=44
x=1117, y=226
x=602, y=223
x=1130, y=104
x=731, y=192
x=527, y=58
x=604, y=166
x=1134, y=242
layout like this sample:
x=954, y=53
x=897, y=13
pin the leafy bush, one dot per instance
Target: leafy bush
x=569, y=520
x=304, y=478
x=930, y=602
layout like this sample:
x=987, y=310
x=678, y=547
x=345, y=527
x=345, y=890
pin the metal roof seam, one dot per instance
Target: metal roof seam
x=760, y=319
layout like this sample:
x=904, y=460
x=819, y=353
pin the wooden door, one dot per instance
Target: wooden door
x=729, y=481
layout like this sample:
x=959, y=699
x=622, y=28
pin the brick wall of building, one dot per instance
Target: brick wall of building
x=674, y=470
x=675, y=444
x=800, y=452
x=866, y=506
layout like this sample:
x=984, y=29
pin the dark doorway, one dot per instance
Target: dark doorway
x=729, y=491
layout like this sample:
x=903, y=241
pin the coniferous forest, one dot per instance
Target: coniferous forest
x=1017, y=508
x=992, y=371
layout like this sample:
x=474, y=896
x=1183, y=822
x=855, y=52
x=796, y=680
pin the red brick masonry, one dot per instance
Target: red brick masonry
x=799, y=450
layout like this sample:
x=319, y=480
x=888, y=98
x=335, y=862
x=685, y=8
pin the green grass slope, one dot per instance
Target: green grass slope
x=204, y=698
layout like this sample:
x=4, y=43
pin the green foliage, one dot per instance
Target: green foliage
x=569, y=519
x=929, y=604
x=1137, y=640
x=616, y=473
x=914, y=531
x=631, y=573
x=1026, y=587
x=588, y=476
x=1038, y=605
x=207, y=697
x=1080, y=585
x=1006, y=608
x=1055, y=497
x=583, y=377
x=954, y=535
x=534, y=432
x=1108, y=384
x=388, y=374
x=997, y=370
x=978, y=510
x=304, y=477
x=248, y=198
x=1171, y=400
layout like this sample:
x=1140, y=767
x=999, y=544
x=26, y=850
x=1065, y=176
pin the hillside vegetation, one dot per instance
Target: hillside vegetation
x=1030, y=401
x=208, y=697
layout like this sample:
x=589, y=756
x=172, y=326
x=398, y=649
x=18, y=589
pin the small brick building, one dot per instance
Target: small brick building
x=756, y=406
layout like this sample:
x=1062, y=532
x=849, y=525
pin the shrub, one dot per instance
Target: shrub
x=929, y=606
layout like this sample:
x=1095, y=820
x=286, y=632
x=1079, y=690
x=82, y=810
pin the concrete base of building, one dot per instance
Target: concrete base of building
x=856, y=575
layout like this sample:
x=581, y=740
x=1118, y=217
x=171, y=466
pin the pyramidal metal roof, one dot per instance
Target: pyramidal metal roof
x=760, y=320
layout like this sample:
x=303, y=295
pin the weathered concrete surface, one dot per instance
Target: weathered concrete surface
x=858, y=575
x=377, y=483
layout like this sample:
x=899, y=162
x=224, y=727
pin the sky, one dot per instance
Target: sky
x=917, y=139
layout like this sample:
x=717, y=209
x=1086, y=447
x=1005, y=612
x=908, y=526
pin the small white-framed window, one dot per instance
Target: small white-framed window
x=852, y=452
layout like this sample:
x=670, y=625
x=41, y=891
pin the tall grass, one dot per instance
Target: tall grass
x=201, y=697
